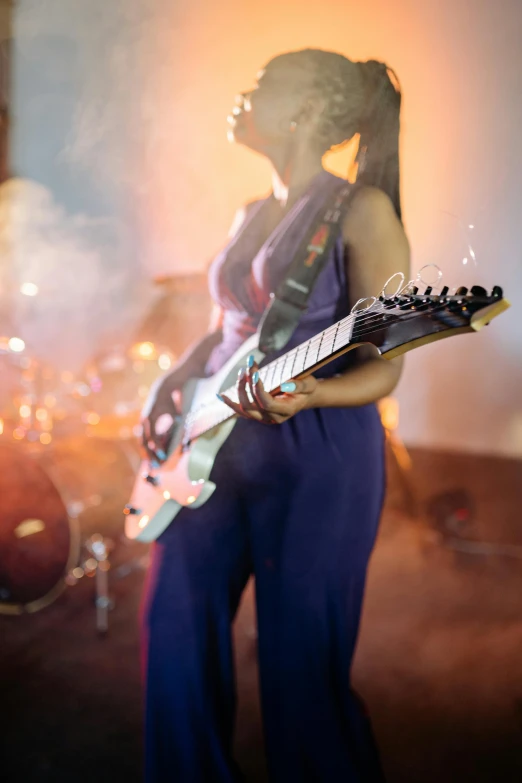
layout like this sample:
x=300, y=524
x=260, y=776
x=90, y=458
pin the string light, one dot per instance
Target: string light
x=145, y=349
x=164, y=362
x=16, y=344
x=29, y=289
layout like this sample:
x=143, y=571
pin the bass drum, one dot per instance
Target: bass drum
x=39, y=543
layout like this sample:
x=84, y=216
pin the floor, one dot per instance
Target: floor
x=439, y=661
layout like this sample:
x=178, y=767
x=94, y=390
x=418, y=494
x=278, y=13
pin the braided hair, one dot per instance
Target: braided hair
x=360, y=97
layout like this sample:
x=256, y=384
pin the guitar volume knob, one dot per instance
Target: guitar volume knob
x=131, y=510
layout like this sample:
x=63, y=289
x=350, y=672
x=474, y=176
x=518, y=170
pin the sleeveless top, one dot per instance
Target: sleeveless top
x=244, y=274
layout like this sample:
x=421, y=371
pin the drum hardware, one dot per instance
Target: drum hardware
x=96, y=564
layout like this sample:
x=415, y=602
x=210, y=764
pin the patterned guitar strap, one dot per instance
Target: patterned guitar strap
x=287, y=305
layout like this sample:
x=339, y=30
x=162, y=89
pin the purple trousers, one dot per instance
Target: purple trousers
x=298, y=506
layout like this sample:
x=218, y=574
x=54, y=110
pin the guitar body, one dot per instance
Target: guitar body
x=183, y=479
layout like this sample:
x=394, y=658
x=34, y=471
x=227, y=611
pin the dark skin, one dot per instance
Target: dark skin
x=279, y=119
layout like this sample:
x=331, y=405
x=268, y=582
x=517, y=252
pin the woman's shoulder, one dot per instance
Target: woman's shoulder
x=371, y=210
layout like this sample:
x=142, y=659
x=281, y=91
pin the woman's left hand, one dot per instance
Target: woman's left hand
x=295, y=396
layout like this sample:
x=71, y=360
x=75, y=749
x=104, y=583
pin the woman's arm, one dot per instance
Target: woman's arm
x=377, y=248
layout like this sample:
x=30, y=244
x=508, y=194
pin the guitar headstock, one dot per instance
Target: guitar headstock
x=410, y=319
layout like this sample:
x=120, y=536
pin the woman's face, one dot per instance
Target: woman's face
x=262, y=117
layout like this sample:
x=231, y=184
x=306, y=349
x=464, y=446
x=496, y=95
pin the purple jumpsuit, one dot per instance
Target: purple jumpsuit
x=298, y=506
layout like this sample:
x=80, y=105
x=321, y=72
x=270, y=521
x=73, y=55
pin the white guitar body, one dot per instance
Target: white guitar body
x=183, y=479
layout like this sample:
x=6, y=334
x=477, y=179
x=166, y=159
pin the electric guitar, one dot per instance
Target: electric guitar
x=394, y=325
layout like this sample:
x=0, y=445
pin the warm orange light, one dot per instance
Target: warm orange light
x=41, y=414
x=25, y=411
x=1, y=426
x=144, y=350
x=164, y=361
x=389, y=411
x=19, y=433
x=45, y=438
x=93, y=418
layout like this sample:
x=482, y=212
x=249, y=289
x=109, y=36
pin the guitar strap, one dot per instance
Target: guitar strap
x=290, y=300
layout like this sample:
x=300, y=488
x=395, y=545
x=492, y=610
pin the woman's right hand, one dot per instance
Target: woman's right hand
x=161, y=414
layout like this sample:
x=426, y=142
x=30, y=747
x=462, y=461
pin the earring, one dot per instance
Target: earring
x=293, y=126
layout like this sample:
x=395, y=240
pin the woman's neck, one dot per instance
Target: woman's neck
x=291, y=181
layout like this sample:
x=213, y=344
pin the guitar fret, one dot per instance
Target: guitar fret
x=263, y=374
x=292, y=369
x=337, y=342
x=268, y=380
x=327, y=344
x=278, y=374
x=286, y=372
x=311, y=357
x=300, y=357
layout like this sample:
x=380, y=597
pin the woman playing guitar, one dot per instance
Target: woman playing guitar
x=300, y=481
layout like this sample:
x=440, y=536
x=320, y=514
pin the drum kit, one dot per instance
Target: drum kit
x=69, y=453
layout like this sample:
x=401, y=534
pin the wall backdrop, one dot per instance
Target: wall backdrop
x=126, y=124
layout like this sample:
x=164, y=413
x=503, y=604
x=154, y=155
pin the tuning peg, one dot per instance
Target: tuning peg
x=462, y=291
x=497, y=292
x=154, y=480
x=444, y=291
x=477, y=290
x=428, y=290
x=415, y=290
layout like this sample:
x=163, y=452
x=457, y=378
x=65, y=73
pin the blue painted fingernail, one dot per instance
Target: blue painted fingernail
x=250, y=361
x=288, y=386
x=220, y=398
x=161, y=454
x=155, y=464
x=240, y=372
x=255, y=377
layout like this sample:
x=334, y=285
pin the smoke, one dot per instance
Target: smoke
x=89, y=292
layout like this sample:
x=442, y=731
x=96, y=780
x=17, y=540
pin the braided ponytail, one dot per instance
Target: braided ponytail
x=360, y=98
x=378, y=155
